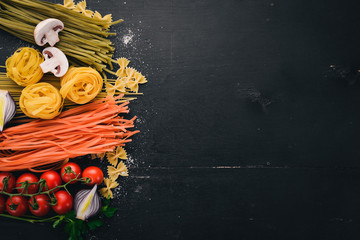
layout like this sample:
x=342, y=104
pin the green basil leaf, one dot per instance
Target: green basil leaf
x=94, y=224
x=109, y=212
x=71, y=214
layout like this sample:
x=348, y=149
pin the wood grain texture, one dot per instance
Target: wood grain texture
x=245, y=134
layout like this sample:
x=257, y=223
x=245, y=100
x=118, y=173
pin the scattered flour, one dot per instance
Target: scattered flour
x=130, y=162
x=128, y=37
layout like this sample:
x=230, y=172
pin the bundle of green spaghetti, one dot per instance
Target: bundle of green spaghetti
x=84, y=39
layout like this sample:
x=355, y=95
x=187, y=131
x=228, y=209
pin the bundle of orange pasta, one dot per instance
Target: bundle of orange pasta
x=46, y=144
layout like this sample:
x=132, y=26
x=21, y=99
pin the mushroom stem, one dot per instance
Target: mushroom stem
x=49, y=65
x=52, y=39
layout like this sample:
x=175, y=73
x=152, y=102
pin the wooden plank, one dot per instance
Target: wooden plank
x=244, y=132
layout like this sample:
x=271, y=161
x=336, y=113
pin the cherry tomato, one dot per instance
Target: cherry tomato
x=17, y=207
x=67, y=176
x=31, y=178
x=2, y=204
x=52, y=179
x=95, y=174
x=64, y=202
x=41, y=207
x=11, y=181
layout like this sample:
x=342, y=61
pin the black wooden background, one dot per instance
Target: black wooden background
x=246, y=131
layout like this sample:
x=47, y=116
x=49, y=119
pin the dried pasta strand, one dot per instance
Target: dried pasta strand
x=93, y=128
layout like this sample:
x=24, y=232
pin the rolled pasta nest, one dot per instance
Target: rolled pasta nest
x=24, y=66
x=81, y=84
x=41, y=100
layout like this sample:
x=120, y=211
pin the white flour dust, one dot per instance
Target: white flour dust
x=130, y=162
x=128, y=37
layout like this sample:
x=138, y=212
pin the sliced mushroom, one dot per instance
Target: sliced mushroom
x=47, y=31
x=55, y=62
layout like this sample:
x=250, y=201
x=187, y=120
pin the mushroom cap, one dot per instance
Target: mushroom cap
x=55, y=61
x=47, y=31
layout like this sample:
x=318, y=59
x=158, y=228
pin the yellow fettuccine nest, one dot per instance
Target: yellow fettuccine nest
x=24, y=66
x=81, y=84
x=41, y=100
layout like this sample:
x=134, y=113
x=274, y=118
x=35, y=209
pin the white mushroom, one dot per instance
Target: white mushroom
x=55, y=62
x=47, y=32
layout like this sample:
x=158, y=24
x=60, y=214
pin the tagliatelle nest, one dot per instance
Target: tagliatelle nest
x=81, y=84
x=41, y=100
x=24, y=66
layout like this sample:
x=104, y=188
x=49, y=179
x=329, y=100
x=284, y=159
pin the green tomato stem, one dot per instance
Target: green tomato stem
x=31, y=220
x=47, y=192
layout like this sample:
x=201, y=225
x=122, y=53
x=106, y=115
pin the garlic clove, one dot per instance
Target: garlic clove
x=87, y=203
x=7, y=108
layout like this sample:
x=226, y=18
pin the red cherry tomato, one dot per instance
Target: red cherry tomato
x=64, y=202
x=95, y=174
x=41, y=207
x=11, y=181
x=2, y=204
x=31, y=178
x=17, y=206
x=52, y=179
x=67, y=176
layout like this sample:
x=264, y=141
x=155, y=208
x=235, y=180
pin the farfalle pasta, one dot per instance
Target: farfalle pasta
x=69, y=4
x=81, y=84
x=128, y=79
x=113, y=157
x=41, y=100
x=106, y=191
x=130, y=72
x=120, y=170
x=123, y=62
x=81, y=8
x=24, y=66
